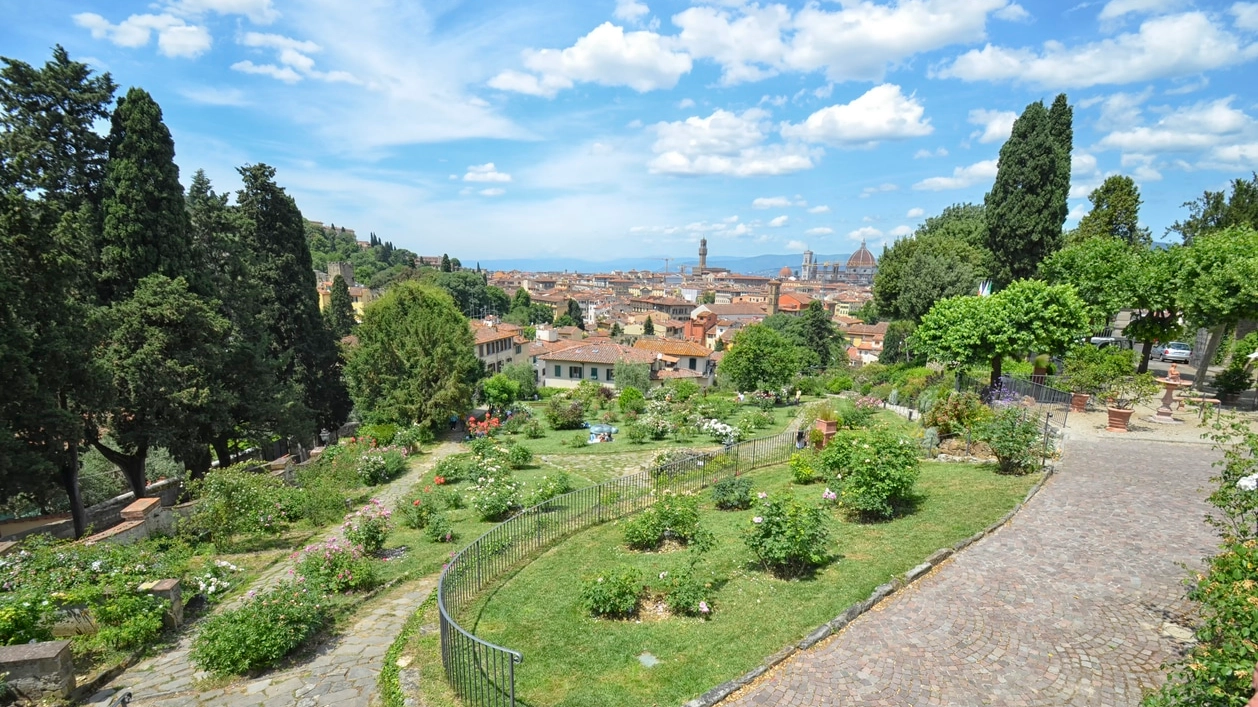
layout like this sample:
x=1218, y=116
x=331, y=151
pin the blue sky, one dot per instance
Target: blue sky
x=613, y=128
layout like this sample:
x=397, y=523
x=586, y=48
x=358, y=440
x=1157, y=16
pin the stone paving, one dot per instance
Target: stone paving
x=1079, y=600
x=342, y=671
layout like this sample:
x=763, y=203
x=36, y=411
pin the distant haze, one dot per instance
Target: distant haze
x=768, y=264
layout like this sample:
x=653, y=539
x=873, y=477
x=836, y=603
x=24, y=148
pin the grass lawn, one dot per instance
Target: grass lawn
x=573, y=660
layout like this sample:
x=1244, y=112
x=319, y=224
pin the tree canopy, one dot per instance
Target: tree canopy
x=759, y=358
x=340, y=312
x=1115, y=213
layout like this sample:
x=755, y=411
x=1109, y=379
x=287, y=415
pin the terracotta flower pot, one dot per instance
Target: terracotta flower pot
x=1118, y=419
x=828, y=427
x=1079, y=402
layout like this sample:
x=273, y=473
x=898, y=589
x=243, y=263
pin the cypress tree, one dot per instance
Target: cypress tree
x=340, y=312
x=445, y=263
x=574, y=311
x=1025, y=208
x=648, y=329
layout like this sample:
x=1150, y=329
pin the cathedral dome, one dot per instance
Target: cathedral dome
x=862, y=258
x=784, y=272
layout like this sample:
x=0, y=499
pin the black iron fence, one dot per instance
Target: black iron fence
x=483, y=673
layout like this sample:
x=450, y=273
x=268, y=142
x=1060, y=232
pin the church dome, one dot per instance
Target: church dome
x=784, y=272
x=862, y=258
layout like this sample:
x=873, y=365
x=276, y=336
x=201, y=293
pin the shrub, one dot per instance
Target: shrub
x=732, y=493
x=550, y=487
x=685, y=594
x=956, y=412
x=788, y=537
x=637, y=432
x=519, y=456
x=802, y=470
x=563, y=413
x=861, y=413
x=439, y=529
x=215, y=581
x=495, y=497
x=671, y=517
x=1015, y=440
x=335, y=566
x=874, y=471
x=839, y=383
x=533, y=430
x=720, y=432
x=577, y=441
x=457, y=467
x=368, y=527
x=412, y=437
x=383, y=434
x=683, y=390
x=25, y=617
x=613, y=593
x=656, y=425
x=450, y=499
x=319, y=497
x=377, y=467
x=261, y=631
x=127, y=619
x=631, y=400
x=415, y=510
x=236, y=502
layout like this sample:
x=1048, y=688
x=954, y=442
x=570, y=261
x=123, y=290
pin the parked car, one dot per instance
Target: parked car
x=1103, y=341
x=1175, y=351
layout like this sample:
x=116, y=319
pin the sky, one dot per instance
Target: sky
x=614, y=128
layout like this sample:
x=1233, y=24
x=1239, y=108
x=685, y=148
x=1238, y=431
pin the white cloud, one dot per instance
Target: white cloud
x=175, y=38
x=819, y=231
x=1084, y=175
x=925, y=154
x=796, y=246
x=996, y=124
x=281, y=73
x=258, y=11
x=1141, y=166
x=1115, y=9
x=1077, y=212
x=779, y=221
x=961, y=178
x=882, y=113
x=493, y=191
x=607, y=55
x=770, y=202
x=630, y=10
x=1233, y=157
x=210, y=96
x=293, y=56
x=900, y=231
x=748, y=47
x=724, y=143
x=1166, y=46
x=863, y=40
x=880, y=189
x=822, y=209
x=1246, y=14
x=1122, y=110
x=1013, y=12
x=686, y=103
x=485, y=173
x=864, y=233
x=1190, y=128
x=915, y=213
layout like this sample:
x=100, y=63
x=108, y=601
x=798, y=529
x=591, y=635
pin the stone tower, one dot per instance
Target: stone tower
x=703, y=255
x=775, y=291
x=344, y=269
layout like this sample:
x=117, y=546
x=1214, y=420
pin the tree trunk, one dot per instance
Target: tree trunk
x=70, y=481
x=997, y=361
x=223, y=452
x=1144, y=357
x=1216, y=338
x=131, y=465
x=198, y=463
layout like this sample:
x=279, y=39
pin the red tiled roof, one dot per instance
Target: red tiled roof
x=672, y=347
x=600, y=353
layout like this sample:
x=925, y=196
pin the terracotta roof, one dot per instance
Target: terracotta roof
x=600, y=353
x=672, y=347
x=493, y=332
x=862, y=258
x=541, y=348
x=879, y=329
x=735, y=309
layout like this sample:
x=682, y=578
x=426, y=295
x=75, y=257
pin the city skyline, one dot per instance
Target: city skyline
x=618, y=129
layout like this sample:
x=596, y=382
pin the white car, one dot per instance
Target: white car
x=1175, y=351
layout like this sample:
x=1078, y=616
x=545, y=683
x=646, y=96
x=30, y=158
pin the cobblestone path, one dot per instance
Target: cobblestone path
x=1077, y=601
x=343, y=670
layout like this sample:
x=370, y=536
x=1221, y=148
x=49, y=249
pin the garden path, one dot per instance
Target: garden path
x=1079, y=600
x=342, y=671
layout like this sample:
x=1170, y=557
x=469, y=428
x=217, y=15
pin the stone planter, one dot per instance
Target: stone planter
x=1079, y=402
x=1118, y=419
x=1229, y=398
x=828, y=427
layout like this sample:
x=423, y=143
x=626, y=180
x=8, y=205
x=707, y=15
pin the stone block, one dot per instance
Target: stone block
x=171, y=591
x=918, y=571
x=811, y=639
x=73, y=621
x=6, y=547
x=124, y=533
x=38, y=670
x=939, y=556
x=142, y=508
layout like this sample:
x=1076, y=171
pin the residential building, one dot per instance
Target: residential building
x=497, y=343
x=739, y=311
x=593, y=361
x=680, y=355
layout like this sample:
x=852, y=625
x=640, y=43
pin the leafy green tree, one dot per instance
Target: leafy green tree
x=1215, y=210
x=455, y=264
x=340, y=314
x=944, y=258
x=960, y=222
x=1027, y=316
x=1157, y=310
x=565, y=320
x=1100, y=269
x=1025, y=209
x=868, y=312
x=445, y=263
x=632, y=375
x=574, y=311
x=500, y=391
x=820, y=334
x=616, y=330
x=414, y=359
x=895, y=345
x=521, y=299
x=1115, y=213
x=472, y=296
x=760, y=359
x=720, y=345
x=274, y=231
x=707, y=297
x=1220, y=282
x=523, y=374
x=648, y=327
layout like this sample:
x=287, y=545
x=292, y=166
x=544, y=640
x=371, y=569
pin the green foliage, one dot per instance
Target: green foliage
x=1016, y=440
x=648, y=327
x=1115, y=214
x=682, y=390
x=802, y=471
x=413, y=436
x=496, y=497
x=1103, y=272
x=236, y=502
x=632, y=375
x=417, y=509
x=944, y=258
x=686, y=594
x=523, y=374
x=788, y=537
x=732, y=493
x=414, y=359
x=340, y=312
x=519, y=456
x=439, y=529
x=631, y=400
x=1220, y=276
x=1091, y=370
x=500, y=391
x=381, y=466
x=26, y=616
x=956, y=412
x=759, y=359
x=671, y=517
x=1215, y=211
x=383, y=433
x=612, y=593
x=1233, y=379
x=335, y=566
x=564, y=413
x=126, y=620
x=378, y=265
x=368, y=527
x=457, y=467
x=874, y=471
x=260, y=632
x=549, y=487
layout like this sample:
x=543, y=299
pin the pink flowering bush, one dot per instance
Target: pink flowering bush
x=873, y=471
x=686, y=594
x=369, y=526
x=788, y=537
x=336, y=566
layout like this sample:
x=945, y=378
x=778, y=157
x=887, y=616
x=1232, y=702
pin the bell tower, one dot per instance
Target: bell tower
x=703, y=255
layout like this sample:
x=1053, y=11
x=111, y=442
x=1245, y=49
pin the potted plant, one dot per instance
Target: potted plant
x=1231, y=382
x=827, y=420
x=1121, y=395
x=816, y=438
x=1043, y=367
x=1088, y=370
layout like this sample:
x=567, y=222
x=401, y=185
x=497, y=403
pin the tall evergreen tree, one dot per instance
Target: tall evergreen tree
x=445, y=263
x=574, y=311
x=274, y=230
x=1023, y=211
x=1061, y=126
x=818, y=332
x=340, y=312
x=648, y=328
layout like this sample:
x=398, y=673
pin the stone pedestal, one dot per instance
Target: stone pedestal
x=1164, y=415
x=171, y=591
x=37, y=670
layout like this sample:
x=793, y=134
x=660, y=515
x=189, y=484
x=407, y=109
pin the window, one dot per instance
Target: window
x=593, y=373
x=517, y=348
x=480, y=350
x=558, y=370
x=694, y=363
x=611, y=374
x=576, y=372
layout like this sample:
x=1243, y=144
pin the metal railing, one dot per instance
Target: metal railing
x=481, y=673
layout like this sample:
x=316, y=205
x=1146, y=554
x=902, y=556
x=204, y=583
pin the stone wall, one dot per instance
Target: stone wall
x=37, y=670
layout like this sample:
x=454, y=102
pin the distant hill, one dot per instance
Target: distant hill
x=768, y=264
